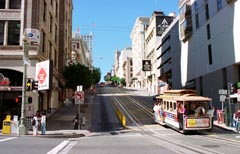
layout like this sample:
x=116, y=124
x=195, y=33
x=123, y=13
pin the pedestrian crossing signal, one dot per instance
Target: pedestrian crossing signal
x=18, y=99
x=29, y=85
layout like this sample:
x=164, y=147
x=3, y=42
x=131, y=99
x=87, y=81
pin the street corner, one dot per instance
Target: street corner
x=66, y=134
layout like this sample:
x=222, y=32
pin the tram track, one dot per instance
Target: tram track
x=131, y=107
x=154, y=136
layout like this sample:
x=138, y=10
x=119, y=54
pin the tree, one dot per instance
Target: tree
x=115, y=80
x=123, y=82
x=78, y=74
x=107, y=77
x=96, y=75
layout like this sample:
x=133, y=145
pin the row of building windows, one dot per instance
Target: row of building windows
x=11, y=4
x=12, y=29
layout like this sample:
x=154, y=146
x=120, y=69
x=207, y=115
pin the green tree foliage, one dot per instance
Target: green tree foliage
x=123, y=82
x=78, y=74
x=107, y=77
x=115, y=80
x=118, y=81
x=96, y=75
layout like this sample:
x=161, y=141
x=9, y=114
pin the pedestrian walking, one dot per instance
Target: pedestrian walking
x=84, y=120
x=35, y=125
x=76, y=122
x=43, y=123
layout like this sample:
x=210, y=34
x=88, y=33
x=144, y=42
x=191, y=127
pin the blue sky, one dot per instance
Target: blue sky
x=113, y=20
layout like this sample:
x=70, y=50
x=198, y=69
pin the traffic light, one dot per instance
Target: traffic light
x=29, y=85
x=233, y=89
x=29, y=100
x=35, y=85
x=18, y=99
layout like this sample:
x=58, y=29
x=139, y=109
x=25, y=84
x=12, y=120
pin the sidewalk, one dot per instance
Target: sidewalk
x=60, y=124
x=223, y=126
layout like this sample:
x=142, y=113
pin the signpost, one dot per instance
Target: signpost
x=79, y=99
x=222, y=93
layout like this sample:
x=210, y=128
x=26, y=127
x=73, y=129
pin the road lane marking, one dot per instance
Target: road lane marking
x=59, y=147
x=7, y=139
x=68, y=147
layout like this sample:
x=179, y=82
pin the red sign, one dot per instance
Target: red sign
x=79, y=95
x=41, y=75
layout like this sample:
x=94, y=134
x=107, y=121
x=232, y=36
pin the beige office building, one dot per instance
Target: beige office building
x=48, y=25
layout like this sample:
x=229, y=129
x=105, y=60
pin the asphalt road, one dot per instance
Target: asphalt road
x=107, y=136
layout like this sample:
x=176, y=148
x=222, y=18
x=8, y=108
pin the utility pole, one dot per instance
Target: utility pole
x=22, y=130
x=229, y=104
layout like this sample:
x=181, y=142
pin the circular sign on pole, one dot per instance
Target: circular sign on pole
x=79, y=97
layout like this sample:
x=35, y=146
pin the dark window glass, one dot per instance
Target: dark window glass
x=207, y=11
x=44, y=11
x=43, y=42
x=13, y=32
x=2, y=4
x=197, y=20
x=50, y=24
x=219, y=4
x=208, y=32
x=15, y=4
x=1, y=32
x=209, y=54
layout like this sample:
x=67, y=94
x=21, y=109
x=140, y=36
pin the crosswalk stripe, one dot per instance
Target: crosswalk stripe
x=7, y=139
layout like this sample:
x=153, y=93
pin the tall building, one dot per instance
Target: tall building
x=168, y=53
x=158, y=23
x=88, y=38
x=210, y=54
x=138, y=50
x=48, y=26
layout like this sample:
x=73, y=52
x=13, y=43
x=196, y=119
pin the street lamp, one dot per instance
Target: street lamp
x=22, y=130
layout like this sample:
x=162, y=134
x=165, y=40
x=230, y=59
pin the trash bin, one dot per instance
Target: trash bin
x=6, y=129
x=14, y=125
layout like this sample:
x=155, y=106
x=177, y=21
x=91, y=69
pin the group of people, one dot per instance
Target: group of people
x=78, y=122
x=158, y=110
x=39, y=122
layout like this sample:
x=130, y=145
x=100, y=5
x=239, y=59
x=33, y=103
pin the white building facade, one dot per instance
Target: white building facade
x=210, y=54
x=157, y=25
x=138, y=51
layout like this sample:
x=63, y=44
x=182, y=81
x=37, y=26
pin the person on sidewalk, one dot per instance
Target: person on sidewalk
x=43, y=123
x=35, y=125
x=76, y=122
x=237, y=120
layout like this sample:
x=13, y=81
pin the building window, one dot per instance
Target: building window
x=208, y=32
x=219, y=5
x=2, y=4
x=55, y=58
x=50, y=23
x=43, y=41
x=1, y=32
x=44, y=11
x=50, y=50
x=209, y=54
x=56, y=32
x=13, y=32
x=196, y=6
x=197, y=20
x=56, y=9
x=207, y=11
x=15, y=4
